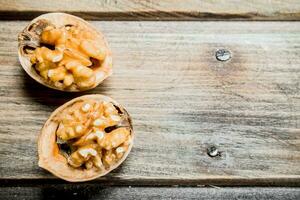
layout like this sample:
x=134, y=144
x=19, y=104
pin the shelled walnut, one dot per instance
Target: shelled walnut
x=85, y=138
x=64, y=52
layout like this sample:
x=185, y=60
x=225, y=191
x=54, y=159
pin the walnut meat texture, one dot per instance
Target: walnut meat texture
x=66, y=56
x=93, y=134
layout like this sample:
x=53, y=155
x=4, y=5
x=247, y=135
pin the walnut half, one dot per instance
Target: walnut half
x=64, y=52
x=85, y=138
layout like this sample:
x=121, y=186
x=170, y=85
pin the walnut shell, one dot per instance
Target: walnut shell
x=29, y=39
x=52, y=160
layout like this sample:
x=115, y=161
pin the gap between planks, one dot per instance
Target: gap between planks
x=166, y=182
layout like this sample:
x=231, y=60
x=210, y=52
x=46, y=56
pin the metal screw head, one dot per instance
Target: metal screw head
x=212, y=151
x=223, y=54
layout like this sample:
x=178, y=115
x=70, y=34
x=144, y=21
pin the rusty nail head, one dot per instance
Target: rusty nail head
x=212, y=151
x=223, y=54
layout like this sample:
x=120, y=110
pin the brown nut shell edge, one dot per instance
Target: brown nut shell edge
x=48, y=151
x=27, y=38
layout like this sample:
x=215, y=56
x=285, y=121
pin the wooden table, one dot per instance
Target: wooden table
x=183, y=100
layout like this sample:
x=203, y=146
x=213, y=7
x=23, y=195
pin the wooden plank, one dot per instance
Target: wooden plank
x=182, y=101
x=96, y=192
x=156, y=10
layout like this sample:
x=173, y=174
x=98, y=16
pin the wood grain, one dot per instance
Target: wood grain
x=95, y=192
x=156, y=10
x=182, y=101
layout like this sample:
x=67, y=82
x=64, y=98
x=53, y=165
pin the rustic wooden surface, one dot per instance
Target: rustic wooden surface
x=182, y=100
x=92, y=192
x=156, y=10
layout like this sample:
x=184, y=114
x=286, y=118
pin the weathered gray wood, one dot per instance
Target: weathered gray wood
x=156, y=10
x=182, y=100
x=92, y=192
